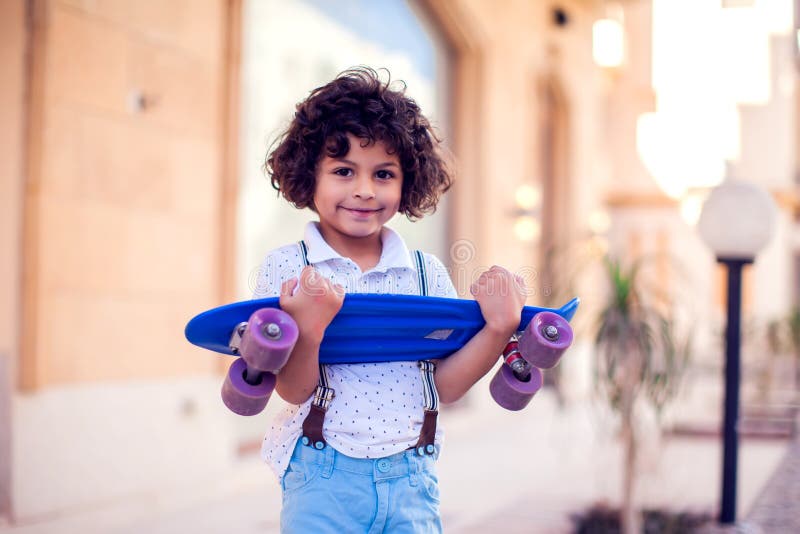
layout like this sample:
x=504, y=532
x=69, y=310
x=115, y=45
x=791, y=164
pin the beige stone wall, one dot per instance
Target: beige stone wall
x=125, y=167
x=122, y=205
x=12, y=72
x=12, y=102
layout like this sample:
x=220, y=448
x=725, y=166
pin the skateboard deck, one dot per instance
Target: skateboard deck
x=371, y=327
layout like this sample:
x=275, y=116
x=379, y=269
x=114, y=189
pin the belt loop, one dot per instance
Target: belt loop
x=329, y=460
x=413, y=467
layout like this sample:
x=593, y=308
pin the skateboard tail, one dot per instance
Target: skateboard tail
x=567, y=311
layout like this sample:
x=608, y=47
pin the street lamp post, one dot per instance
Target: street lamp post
x=736, y=223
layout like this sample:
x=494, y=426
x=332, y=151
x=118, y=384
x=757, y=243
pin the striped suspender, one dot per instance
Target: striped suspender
x=312, y=426
x=303, y=253
x=427, y=436
x=324, y=394
x=421, y=273
x=426, y=368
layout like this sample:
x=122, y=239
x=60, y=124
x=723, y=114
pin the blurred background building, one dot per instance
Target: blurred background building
x=133, y=196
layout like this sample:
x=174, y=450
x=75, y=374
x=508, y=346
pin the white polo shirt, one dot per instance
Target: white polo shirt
x=378, y=407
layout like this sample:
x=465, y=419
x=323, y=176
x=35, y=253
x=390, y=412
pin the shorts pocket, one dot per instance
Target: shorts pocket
x=298, y=475
x=430, y=484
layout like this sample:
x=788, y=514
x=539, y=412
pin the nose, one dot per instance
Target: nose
x=364, y=188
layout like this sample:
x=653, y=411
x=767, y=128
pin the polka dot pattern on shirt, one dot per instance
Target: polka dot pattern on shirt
x=377, y=409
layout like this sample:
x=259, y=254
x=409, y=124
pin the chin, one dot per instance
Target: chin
x=364, y=232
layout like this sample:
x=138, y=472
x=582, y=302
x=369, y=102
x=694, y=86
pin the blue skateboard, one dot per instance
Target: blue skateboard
x=376, y=328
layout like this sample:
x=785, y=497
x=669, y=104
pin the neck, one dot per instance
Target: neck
x=364, y=251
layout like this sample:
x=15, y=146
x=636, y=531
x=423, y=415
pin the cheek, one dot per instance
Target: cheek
x=320, y=194
x=401, y=194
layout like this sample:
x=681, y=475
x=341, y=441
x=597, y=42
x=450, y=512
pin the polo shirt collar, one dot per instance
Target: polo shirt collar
x=395, y=254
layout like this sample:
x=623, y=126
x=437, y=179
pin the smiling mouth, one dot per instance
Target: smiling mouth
x=361, y=210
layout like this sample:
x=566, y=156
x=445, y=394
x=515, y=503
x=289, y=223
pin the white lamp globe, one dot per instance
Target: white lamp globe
x=737, y=220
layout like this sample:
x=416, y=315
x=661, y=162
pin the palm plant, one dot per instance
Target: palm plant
x=793, y=323
x=783, y=335
x=640, y=358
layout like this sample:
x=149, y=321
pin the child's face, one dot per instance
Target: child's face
x=357, y=194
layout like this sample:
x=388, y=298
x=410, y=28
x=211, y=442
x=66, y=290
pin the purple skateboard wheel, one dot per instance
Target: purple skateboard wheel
x=545, y=339
x=268, y=340
x=243, y=398
x=510, y=392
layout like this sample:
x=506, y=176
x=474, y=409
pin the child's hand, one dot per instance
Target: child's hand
x=501, y=296
x=312, y=301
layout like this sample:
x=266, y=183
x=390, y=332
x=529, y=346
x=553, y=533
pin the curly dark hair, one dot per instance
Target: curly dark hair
x=359, y=103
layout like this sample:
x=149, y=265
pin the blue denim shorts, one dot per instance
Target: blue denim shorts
x=326, y=491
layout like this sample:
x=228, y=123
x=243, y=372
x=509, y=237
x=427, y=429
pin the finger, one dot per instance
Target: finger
x=477, y=285
x=491, y=274
x=473, y=289
x=502, y=272
x=287, y=288
x=338, y=289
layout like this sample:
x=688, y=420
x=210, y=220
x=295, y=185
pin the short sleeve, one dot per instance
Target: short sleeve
x=439, y=282
x=278, y=266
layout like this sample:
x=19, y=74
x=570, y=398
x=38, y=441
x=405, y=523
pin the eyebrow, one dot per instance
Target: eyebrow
x=379, y=165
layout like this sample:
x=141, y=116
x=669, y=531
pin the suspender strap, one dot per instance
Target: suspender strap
x=312, y=428
x=421, y=275
x=427, y=436
x=303, y=252
x=426, y=369
x=312, y=425
x=324, y=394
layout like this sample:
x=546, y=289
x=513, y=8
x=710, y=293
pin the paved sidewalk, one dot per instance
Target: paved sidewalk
x=777, y=509
x=522, y=472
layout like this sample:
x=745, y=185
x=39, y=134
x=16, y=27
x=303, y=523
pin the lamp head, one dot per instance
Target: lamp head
x=738, y=220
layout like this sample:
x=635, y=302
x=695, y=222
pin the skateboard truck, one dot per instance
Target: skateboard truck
x=513, y=358
x=236, y=337
x=517, y=381
x=271, y=331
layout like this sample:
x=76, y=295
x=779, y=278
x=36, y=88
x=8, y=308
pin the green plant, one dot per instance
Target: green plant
x=793, y=324
x=640, y=357
x=783, y=335
x=602, y=519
